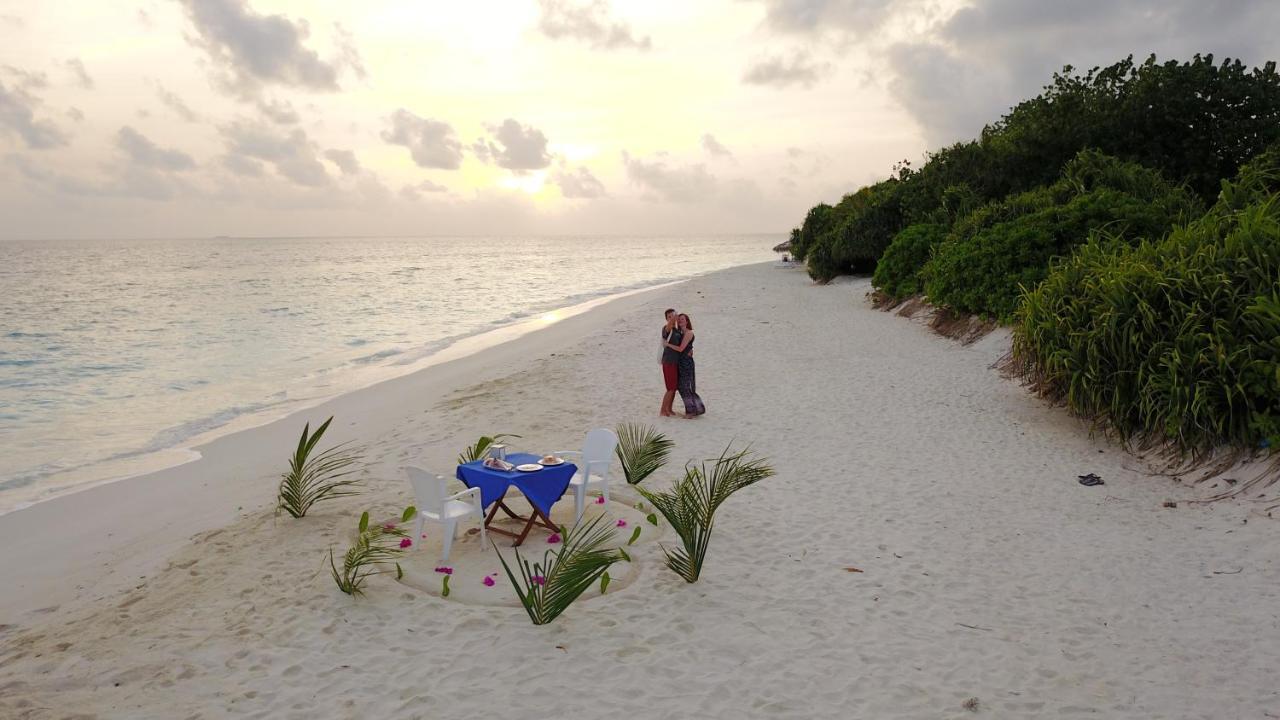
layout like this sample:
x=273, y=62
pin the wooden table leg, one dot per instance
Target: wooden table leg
x=498, y=504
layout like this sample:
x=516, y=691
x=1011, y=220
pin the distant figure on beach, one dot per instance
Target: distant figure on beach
x=670, y=360
x=680, y=341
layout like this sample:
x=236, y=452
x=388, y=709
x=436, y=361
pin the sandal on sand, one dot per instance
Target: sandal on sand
x=1090, y=480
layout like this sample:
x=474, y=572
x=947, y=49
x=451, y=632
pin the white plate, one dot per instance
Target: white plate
x=529, y=467
x=551, y=464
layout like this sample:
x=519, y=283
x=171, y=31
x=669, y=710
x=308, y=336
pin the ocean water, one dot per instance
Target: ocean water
x=114, y=353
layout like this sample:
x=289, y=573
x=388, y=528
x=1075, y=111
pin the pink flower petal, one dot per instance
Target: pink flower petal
x=622, y=523
x=406, y=542
x=389, y=526
x=600, y=500
x=538, y=580
x=445, y=570
x=488, y=581
x=555, y=538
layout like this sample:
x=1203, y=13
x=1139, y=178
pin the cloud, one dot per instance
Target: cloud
x=278, y=111
x=975, y=64
x=176, y=104
x=713, y=146
x=776, y=71
x=857, y=17
x=255, y=50
x=519, y=147
x=76, y=66
x=26, y=80
x=12, y=21
x=348, y=55
x=76, y=114
x=589, y=22
x=345, y=160
x=128, y=181
x=243, y=166
x=413, y=193
x=17, y=117
x=293, y=155
x=431, y=143
x=661, y=181
x=138, y=148
x=578, y=184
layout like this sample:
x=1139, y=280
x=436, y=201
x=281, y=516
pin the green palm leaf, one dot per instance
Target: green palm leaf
x=312, y=479
x=548, y=588
x=374, y=549
x=690, y=506
x=642, y=450
x=476, y=451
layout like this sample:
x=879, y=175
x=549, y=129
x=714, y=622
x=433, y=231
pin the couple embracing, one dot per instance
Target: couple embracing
x=677, y=365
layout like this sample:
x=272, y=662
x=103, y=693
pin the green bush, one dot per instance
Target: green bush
x=832, y=237
x=1176, y=339
x=992, y=255
x=898, y=272
x=817, y=222
x=1193, y=121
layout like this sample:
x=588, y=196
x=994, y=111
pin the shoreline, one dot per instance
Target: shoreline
x=187, y=450
x=108, y=508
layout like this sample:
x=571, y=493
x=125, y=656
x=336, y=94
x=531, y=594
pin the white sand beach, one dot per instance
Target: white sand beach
x=983, y=568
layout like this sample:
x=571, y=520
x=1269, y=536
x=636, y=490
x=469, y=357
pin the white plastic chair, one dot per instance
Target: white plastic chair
x=593, y=468
x=445, y=510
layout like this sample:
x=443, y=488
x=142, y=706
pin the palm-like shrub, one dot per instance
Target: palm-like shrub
x=641, y=450
x=481, y=446
x=548, y=588
x=312, y=478
x=374, y=549
x=690, y=505
x=1176, y=340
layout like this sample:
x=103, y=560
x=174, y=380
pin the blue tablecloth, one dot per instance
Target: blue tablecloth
x=543, y=488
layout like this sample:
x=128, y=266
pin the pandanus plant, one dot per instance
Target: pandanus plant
x=690, y=505
x=312, y=478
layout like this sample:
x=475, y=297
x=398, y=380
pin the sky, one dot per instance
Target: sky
x=197, y=118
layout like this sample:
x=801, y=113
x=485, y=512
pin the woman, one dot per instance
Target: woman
x=681, y=341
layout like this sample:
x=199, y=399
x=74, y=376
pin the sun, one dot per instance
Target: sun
x=530, y=183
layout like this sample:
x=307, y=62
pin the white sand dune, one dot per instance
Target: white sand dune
x=987, y=571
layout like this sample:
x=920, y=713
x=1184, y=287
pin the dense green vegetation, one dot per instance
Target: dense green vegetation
x=1195, y=122
x=1080, y=217
x=1176, y=338
x=899, y=269
x=984, y=264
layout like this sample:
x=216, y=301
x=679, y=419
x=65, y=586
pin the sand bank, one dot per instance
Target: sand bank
x=987, y=571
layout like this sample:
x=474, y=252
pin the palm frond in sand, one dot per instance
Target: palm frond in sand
x=314, y=478
x=690, y=505
x=374, y=549
x=548, y=588
x=642, y=450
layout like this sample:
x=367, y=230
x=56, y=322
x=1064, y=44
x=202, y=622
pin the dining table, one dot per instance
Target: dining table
x=542, y=488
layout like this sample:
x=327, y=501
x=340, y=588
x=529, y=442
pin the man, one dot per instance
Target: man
x=669, y=359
